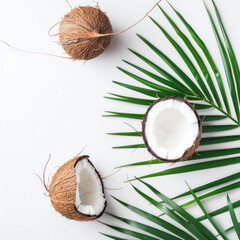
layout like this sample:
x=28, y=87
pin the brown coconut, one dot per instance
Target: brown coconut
x=82, y=30
x=188, y=151
x=62, y=191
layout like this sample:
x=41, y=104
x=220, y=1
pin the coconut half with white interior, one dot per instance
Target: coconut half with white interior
x=172, y=129
x=77, y=190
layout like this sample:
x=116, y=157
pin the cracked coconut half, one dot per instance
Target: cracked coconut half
x=172, y=129
x=77, y=191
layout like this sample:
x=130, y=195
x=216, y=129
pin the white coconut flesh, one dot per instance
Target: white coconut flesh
x=90, y=198
x=171, y=128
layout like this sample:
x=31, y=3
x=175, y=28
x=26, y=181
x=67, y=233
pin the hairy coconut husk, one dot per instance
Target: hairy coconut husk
x=82, y=30
x=188, y=152
x=84, y=33
x=62, y=191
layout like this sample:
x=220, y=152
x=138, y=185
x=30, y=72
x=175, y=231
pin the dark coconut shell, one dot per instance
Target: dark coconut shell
x=81, y=33
x=188, y=152
x=62, y=191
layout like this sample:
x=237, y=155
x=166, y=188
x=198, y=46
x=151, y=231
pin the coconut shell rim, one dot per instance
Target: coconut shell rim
x=105, y=203
x=189, y=151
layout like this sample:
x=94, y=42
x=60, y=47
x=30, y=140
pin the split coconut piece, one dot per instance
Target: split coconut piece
x=172, y=129
x=77, y=191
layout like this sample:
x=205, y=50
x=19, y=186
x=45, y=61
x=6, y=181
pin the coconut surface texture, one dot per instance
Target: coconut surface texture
x=77, y=191
x=81, y=33
x=172, y=129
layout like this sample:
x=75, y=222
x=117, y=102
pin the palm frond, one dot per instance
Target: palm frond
x=204, y=93
x=181, y=216
x=185, y=226
x=131, y=233
x=153, y=231
x=214, y=192
x=219, y=211
x=233, y=216
x=226, y=64
x=197, y=57
x=231, y=228
x=185, y=58
x=158, y=221
x=208, y=57
x=113, y=237
x=197, y=156
x=231, y=53
x=208, y=216
x=124, y=115
x=210, y=185
x=169, y=80
x=195, y=167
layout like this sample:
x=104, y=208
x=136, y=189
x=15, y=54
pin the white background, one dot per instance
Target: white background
x=52, y=105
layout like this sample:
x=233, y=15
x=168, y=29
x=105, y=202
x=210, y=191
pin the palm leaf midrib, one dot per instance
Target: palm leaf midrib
x=198, y=97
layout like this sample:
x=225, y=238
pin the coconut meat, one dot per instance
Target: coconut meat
x=90, y=198
x=171, y=128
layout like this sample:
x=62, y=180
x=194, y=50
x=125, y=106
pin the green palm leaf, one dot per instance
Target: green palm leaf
x=226, y=64
x=185, y=58
x=215, y=140
x=155, y=86
x=233, y=216
x=206, y=118
x=128, y=232
x=191, y=228
x=207, y=215
x=201, y=92
x=139, y=101
x=214, y=192
x=174, y=67
x=145, y=91
x=134, y=146
x=153, y=231
x=218, y=128
x=231, y=53
x=210, y=185
x=124, y=115
x=231, y=228
x=197, y=156
x=208, y=56
x=219, y=211
x=158, y=221
x=205, y=129
x=169, y=81
x=148, y=102
x=195, y=167
x=168, y=75
x=185, y=219
x=197, y=57
x=112, y=237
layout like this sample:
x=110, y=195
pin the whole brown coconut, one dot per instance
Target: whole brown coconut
x=82, y=30
x=63, y=189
